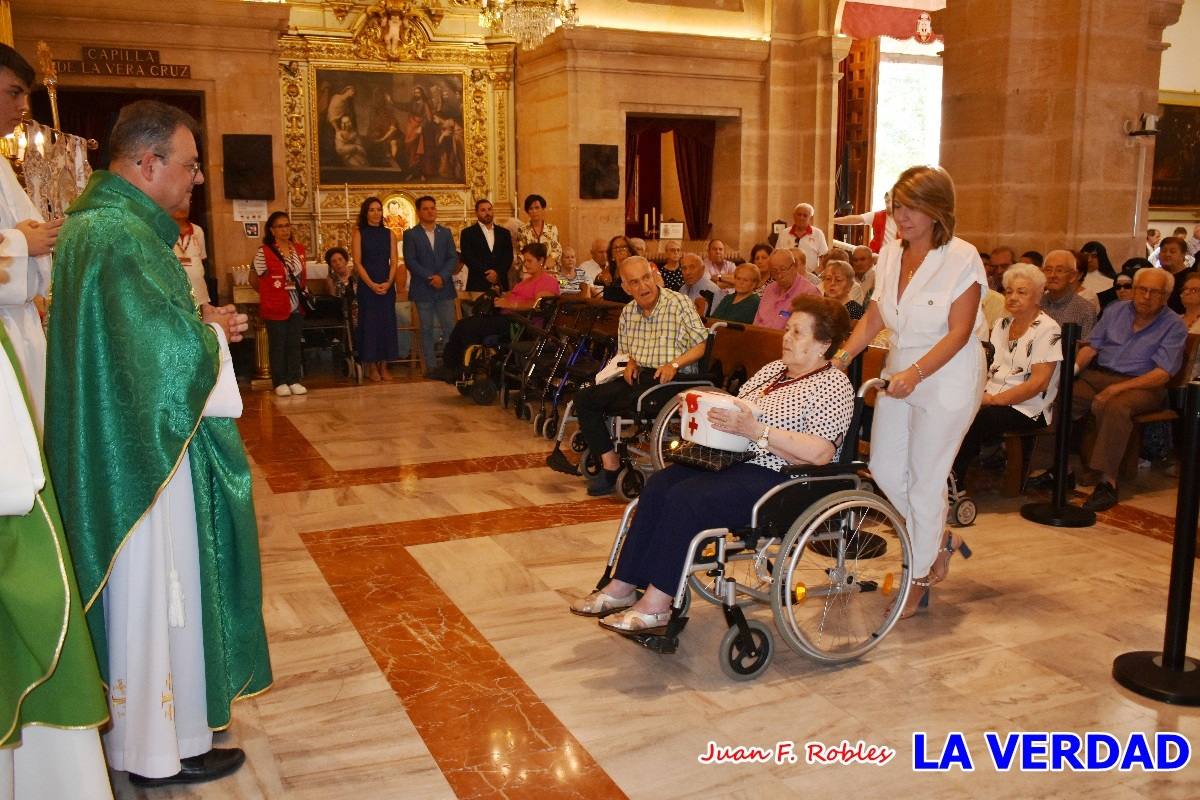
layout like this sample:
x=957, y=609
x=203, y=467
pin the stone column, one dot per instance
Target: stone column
x=802, y=77
x=6, y=28
x=1035, y=99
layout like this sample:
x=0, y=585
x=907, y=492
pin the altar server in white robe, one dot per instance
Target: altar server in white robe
x=28, y=240
x=51, y=762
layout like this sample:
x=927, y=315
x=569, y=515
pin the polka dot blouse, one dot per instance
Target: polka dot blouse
x=819, y=404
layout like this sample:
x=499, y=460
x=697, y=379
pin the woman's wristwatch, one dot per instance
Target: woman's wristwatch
x=842, y=357
x=763, y=437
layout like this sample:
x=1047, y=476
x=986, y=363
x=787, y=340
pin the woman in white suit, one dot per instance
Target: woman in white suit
x=928, y=288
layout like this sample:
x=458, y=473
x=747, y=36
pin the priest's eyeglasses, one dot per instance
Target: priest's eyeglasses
x=192, y=166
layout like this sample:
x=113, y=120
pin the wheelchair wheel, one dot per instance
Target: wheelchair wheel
x=751, y=569
x=842, y=576
x=483, y=392
x=630, y=482
x=550, y=427
x=963, y=513
x=538, y=419
x=578, y=443
x=589, y=464
x=464, y=388
x=742, y=660
x=665, y=434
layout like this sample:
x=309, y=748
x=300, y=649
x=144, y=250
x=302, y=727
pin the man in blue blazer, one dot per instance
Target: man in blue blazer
x=431, y=259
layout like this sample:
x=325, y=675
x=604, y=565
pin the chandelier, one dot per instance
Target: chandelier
x=527, y=21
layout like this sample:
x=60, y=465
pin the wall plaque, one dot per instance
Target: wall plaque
x=121, y=62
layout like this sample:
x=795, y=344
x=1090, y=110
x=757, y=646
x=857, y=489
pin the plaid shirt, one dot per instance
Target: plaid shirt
x=672, y=328
x=1071, y=308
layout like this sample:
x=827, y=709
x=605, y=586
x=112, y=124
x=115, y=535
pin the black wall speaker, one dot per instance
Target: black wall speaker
x=249, y=173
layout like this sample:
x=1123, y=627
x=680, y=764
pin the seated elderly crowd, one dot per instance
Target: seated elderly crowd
x=1134, y=325
x=797, y=409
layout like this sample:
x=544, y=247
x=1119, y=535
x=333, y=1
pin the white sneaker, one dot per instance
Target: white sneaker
x=298, y=389
x=283, y=390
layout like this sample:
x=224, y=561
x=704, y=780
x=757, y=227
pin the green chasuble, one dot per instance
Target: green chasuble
x=48, y=672
x=130, y=366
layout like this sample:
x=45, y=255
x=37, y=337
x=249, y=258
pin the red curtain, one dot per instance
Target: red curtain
x=867, y=20
x=694, y=143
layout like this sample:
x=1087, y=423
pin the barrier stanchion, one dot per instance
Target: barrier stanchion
x=1057, y=512
x=1170, y=676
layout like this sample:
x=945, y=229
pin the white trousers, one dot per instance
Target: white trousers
x=52, y=764
x=156, y=672
x=914, y=441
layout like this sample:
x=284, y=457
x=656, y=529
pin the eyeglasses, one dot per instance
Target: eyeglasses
x=617, y=247
x=1146, y=290
x=193, y=166
x=1190, y=290
x=1124, y=287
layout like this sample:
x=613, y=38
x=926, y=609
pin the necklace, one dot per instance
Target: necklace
x=781, y=380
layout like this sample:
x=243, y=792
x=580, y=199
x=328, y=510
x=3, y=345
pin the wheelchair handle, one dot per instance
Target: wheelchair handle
x=875, y=383
x=733, y=326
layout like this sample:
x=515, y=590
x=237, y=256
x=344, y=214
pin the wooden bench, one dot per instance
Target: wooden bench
x=1189, y=369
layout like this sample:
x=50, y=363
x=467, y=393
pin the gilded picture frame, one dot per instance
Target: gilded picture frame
x=390, y=127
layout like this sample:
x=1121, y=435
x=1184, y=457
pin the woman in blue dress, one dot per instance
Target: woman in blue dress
x=374, y=250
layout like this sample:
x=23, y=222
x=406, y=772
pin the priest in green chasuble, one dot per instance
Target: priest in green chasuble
x=51, y=697
x=153, y=480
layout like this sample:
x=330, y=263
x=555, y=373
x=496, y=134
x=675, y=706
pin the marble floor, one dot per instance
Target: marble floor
x=418, y=558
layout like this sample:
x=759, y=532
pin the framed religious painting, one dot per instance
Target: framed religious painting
x=1177, y=158
x=390, y=127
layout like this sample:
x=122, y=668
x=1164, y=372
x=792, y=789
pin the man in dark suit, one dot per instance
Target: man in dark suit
x=431, y=259
x=487, y=250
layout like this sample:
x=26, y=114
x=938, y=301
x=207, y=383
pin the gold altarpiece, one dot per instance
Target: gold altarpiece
x=399, y=39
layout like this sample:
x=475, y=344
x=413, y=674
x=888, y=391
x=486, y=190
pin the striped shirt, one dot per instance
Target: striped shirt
x=671, y=329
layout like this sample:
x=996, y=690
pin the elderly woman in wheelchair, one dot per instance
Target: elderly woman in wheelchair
x=804, y=409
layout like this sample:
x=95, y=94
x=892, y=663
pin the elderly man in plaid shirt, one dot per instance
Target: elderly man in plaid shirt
x=661, y=333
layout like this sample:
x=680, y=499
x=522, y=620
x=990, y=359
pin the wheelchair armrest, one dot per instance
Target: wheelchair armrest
x=660, y=393
x=823, y=470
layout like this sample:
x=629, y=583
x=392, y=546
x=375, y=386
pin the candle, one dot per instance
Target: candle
x=346, y=189
x=320, y=235
x=645, y=222
x=653, y=216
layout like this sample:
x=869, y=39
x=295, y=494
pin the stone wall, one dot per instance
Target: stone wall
x=580, y=86
x=232, y=49
x=1034, y=104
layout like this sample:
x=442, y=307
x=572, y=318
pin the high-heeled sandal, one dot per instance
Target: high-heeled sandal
x=919, y=589
x=940, y=570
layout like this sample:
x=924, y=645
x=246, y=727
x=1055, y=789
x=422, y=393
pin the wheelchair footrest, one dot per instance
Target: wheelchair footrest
x=663, y=645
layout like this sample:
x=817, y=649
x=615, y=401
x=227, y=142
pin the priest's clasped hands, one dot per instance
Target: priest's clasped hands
x=40, y=236
x=233, y=323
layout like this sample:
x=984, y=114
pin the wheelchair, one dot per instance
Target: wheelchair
x=830, y=557
x=642, y=437
x=482, y=374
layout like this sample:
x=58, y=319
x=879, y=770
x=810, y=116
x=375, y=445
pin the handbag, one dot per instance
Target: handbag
x=303, y=295
x=709, y=459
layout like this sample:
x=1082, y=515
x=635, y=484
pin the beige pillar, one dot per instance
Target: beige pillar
x=802, y=77
x=1034, y=104
x=6, y=28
